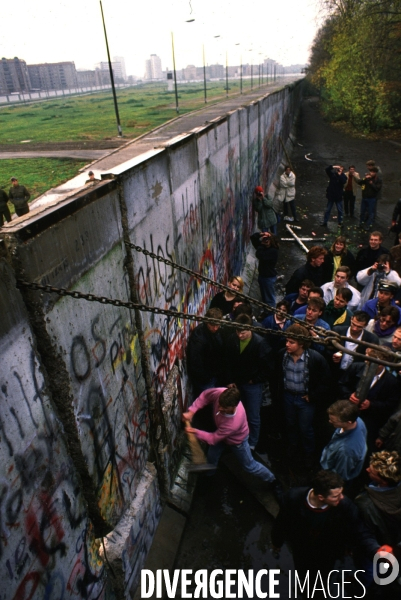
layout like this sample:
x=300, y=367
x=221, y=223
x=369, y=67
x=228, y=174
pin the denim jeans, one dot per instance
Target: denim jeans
x=299, y=418
x=242, y=453
x=267, y=290
x=368, y=208
x=340, y=211
x=251, y=397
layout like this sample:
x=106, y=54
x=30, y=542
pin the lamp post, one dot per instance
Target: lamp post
x=204, y=73
x=226, y=73
x=175, y=75
x=120, y=133
x=240, y=70
x=251, y=69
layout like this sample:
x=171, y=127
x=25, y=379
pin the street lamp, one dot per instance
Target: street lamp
x=120, y=133
x=175, y=75
x=240, y=71
x=204, y=73
x=226, y=73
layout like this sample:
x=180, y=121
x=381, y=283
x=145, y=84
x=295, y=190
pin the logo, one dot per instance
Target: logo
x=385, y=568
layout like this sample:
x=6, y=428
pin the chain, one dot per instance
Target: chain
x=175, y=314
x=319, y=330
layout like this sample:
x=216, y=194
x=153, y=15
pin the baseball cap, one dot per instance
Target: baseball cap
x=259, y=189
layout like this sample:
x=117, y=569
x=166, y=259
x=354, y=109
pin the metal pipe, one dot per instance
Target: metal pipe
x=304, y=248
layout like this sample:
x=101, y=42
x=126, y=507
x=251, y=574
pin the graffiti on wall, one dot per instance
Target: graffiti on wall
x=47, y=549
x=110, y=406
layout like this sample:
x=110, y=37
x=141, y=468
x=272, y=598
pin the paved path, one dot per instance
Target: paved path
x=77, y=154
x=105, y=160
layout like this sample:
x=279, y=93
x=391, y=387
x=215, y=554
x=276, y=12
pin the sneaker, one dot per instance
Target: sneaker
x=291, y=218
x=286, y=218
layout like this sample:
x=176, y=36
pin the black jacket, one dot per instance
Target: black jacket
x=319, y=537
x=319, y=376
x=204, y=355
x=252, y=365
x=371, y=338
x=370, y=187
x=366, y=257
x=266, y=255
x=328, y=266
x=3, y=200
x=384, y=397
x=336, y=184
x=315, y=274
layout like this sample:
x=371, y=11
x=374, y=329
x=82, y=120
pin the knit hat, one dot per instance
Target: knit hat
x=259, y=189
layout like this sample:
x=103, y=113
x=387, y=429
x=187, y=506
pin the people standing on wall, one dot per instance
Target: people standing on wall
x=4, y=210
x=338, y=256
x=263, y=206
x=92, y=178
x=334, y=192
x=19, y=196
x=225, y=300
x=351, y=190
x=266, y=246
x=286, y=194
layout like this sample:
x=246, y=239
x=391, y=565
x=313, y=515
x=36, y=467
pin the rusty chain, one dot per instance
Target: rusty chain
x=332, y=338
x=319, y=330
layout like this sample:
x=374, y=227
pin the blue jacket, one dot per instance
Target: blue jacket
x=319, y=323
x=345, y=453
x=371, y=308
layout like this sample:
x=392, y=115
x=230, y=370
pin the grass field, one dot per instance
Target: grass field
x=37, y=174
x=92, y=117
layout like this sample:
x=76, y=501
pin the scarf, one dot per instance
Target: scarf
x=380, y=333
x=334, y=316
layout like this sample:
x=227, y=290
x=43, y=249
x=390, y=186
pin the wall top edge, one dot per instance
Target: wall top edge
x=45, y=216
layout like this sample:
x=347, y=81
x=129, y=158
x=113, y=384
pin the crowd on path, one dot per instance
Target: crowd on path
x=353, y=500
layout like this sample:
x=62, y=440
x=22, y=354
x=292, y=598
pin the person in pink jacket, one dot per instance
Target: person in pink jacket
x=232, y=431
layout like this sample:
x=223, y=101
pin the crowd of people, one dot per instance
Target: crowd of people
x=353, y=500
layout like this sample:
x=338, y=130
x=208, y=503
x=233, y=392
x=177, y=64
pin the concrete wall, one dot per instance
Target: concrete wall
x=114, y=380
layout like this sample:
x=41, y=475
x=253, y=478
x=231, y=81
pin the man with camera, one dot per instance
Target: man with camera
x=373, y=279
x=267, y=253
x=371, y=185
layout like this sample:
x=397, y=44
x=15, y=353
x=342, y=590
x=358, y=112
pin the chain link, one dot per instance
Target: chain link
x=332, y=338
x=319, y=330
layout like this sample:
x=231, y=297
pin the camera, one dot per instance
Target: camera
x=381, y=267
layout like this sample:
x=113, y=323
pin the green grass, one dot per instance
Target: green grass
x=83, y=118
x=38, y=174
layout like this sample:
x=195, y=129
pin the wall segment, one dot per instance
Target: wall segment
x=189, y=202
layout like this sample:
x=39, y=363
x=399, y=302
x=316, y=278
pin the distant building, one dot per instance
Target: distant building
x=153, y=67
x=103, y=66
x=119, y=60
x=53, y=76
x=87, y=78
x=189, y=73
x=216, y=71
x=14, y=76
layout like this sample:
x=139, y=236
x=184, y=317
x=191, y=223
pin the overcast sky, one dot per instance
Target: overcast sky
x=52, y=31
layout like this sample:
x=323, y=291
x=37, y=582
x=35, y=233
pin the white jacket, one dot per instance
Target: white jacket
x=368, y=281
x=286, y=191
x=330, y=291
